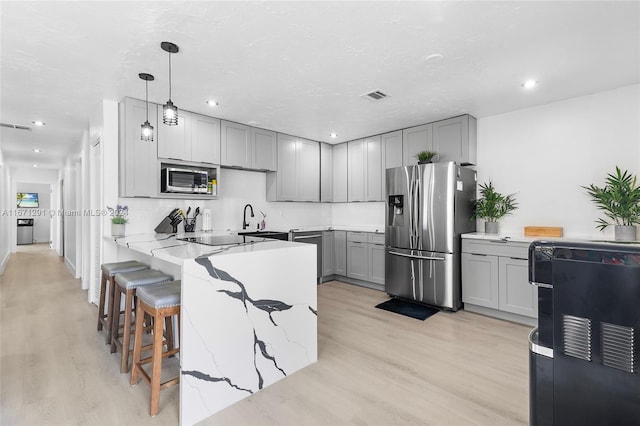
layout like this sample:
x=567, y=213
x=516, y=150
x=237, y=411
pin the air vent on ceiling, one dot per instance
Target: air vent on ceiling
x=376, y=95
x=15, y=126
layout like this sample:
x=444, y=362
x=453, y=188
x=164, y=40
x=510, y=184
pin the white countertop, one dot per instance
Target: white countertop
x=166, y=246
x=518, y=238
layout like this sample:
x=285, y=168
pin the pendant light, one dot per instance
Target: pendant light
x=169, y=110
x=146, y=133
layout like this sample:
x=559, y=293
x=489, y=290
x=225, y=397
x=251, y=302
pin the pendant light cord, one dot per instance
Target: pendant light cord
x=146, y=97
x=169, y=75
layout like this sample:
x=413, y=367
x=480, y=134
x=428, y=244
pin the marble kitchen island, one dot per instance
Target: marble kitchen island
x=248, y=315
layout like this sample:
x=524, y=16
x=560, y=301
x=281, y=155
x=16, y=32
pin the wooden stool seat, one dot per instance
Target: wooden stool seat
x=127, y=283
x=162, y=302
x=109, y=271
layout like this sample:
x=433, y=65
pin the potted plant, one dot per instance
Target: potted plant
x=118, y=220
x=492, y=206
x=425, y=156
x=620, y=200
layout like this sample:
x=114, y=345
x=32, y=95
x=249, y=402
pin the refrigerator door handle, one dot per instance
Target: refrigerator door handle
x=395, y=253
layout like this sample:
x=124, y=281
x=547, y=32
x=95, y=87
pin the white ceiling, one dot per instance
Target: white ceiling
x=300, y=67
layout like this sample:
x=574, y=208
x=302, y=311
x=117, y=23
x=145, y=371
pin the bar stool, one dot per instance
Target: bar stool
x=109, y=271
x=126, y=283
x=162, y=302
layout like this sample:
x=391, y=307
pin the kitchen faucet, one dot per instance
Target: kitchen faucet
x=245, y=224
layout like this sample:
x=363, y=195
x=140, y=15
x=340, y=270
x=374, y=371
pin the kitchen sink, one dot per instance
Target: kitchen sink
x=266, y=234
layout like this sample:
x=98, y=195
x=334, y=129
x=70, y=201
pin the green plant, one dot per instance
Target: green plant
x=492, y=205
x=118, y=215
x=425, y=155
x=619, y=198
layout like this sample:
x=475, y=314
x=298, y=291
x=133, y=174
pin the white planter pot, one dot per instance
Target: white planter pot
x=117, y=229
x=491, y=227
x=625, y=233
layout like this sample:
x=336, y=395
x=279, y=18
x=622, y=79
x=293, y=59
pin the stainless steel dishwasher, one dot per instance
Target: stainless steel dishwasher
x=314, y=237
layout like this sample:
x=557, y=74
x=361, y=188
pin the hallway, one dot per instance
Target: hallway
x=54, y=366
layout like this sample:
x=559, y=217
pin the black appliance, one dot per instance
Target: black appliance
x=584, y=353
x=169, y=224
x=222, y=240
x=184, y=180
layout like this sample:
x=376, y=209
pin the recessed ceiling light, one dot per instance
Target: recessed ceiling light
x=433, y=59
x=530, y=84
x=35, y=165
x=38, y=123
x=36, y=150
x=333, y=135
x=212, y=103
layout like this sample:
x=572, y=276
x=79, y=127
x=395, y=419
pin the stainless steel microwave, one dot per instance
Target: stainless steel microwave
x=189, y=181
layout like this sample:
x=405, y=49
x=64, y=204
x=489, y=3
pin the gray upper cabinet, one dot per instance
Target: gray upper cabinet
x=356, y=171
x=205, y=139
x=235, y=145
x=138, y=162
x=339, y=173
x=454, y=139
x=414, y=140
x=364, y=180
x=196, y=138
x=265, y=150
x=392, y=146
x=298, y=175
x=326, y=173
x=174, y=142
x=374, y=168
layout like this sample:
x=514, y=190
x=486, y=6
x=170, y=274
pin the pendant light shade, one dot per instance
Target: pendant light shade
x=169, y=110
x=146, y=131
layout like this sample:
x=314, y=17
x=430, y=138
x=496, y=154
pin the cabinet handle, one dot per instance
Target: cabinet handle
x=478, y=254
x=517, y=258
x=498, y=241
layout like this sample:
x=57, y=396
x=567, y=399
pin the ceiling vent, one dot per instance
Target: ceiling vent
x=15, y=126
x=376, y=95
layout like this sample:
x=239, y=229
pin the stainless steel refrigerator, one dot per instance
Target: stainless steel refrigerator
x=428, y=207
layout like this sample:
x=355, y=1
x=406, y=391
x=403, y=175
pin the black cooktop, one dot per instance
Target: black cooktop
x=222, y=240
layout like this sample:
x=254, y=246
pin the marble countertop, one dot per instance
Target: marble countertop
x=168, y=248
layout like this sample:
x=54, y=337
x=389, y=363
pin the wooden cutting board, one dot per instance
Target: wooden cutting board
x=542, y=231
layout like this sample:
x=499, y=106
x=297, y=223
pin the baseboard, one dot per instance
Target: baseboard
x=508, y=316
x=71, y=267
x=361, y=283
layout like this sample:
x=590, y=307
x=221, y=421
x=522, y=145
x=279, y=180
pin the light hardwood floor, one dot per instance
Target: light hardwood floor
x=374, y=368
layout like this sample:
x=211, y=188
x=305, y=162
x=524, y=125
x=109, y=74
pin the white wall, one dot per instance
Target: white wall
x=358, y=214
x=72, y=197
x=5, y=219
x=545, y=154
x=41, y=216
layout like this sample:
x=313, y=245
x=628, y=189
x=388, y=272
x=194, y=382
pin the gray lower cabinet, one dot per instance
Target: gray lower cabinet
x=495, y=276
x=357, y=260
x=376, y=263
x=340, y=252
x=138, y=162
x=328, y=258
